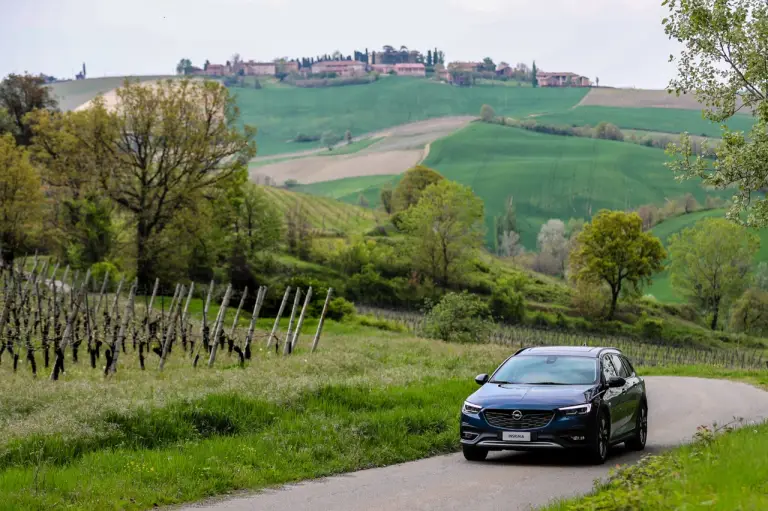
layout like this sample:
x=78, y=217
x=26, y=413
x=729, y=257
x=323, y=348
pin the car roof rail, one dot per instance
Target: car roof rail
x=522, y=350
x=608, y=348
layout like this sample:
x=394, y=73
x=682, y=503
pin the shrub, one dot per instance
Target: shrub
x=507, y=305
x=590, y=300
x=650, y=328
x=339, y=309
x=291, y=183
x=487, y=114
x=459, y=318
x=608, y=131
x=749, y=313
x=98, y=271
x=303, y=137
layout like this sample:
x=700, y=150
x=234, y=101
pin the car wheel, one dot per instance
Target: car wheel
x=474, y=453
x=601, y=439
x=637, y=442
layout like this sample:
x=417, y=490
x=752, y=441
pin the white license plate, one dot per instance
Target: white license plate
x=515, y=436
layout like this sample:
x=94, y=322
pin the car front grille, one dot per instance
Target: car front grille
x=531, y=419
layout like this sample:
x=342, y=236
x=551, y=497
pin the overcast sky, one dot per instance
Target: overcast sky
x=620, y=41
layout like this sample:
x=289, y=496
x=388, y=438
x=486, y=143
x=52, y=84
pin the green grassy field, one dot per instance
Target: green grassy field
x=323, y=213
x=74, y=93
x=349, y=189
x=551, y=176
x=661, y=288
x=668, y=120
x=281, y=113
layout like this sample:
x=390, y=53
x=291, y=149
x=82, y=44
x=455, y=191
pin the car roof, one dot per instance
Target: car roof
x=572, y=351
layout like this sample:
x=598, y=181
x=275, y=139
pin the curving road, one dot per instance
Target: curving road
x=511, y=481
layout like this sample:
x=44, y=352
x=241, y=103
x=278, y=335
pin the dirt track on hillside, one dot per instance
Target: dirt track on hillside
x=401, y=147
x=638, y=98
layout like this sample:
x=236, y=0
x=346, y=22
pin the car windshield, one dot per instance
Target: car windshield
x=547, y=370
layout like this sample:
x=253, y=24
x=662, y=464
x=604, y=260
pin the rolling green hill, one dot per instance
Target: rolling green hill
x=662, y=287
x=668, y=120
x=549, y=176
x=73, y=93
x=281, y=113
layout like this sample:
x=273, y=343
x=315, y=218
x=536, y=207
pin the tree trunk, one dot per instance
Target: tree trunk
x=7, y=254
x=615, y=291
x=715, y=313
x=143, y=258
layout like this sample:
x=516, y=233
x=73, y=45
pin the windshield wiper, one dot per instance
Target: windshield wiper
x=546, y=383
x=502, y=382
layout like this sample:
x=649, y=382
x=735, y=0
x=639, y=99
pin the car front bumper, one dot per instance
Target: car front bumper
x=561, y=433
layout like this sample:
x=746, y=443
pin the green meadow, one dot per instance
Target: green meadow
x=667, y=120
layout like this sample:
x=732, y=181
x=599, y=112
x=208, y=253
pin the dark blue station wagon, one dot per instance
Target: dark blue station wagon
x=557, y=398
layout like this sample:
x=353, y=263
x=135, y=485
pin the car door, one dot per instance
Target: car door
x=634, y=392
x=613, y=397
x=628, y=406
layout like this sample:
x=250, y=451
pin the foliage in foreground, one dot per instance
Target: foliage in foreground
x=718, y=471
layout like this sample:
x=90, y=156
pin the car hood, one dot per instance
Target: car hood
x=531, y=396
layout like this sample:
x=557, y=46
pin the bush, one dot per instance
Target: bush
x=608, y=131
x=487, y=114
x=303, y=137
x=339, y=309
x=291, y=183
x=99, y=270
x=590, y=300
x=459, y=318
x=650, y=328
x=507, y=305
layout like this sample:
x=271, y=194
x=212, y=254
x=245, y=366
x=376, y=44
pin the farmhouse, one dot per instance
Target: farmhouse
x=217, y=70
x=289, y=66
x=504, y=70
x=340, y=67
x=410, y=70
x=382, y=68
x=562, y=80
x=260, y=68
x=466, y=67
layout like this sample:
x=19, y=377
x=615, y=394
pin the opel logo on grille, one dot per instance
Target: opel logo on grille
x=517, y=415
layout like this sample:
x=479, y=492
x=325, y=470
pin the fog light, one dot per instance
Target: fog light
x=578, y=438
x=468, y=435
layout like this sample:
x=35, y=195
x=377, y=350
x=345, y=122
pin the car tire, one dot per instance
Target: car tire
x=474, y=453
x=601, y=439
x=637, y=442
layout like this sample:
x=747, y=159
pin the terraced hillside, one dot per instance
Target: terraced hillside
x=668, y=120
x=549, y=176
x=324, y=214
x=661, y=287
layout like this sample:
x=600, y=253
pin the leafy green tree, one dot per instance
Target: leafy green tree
x=21, y=199
x=409, y=189
x=166, y=147
x=614, y=249
x=487, y=114
x=488, y=64
x=6, y=123
x=386, y=200
x=330, y=139
x=711, y=262
x=445, y=228
x=534, y=79
x=20, y=95
x=722, y=63
x=183, y=67
x=258, y=222
x=749, y=313
x=505, y=224
x=760, y=279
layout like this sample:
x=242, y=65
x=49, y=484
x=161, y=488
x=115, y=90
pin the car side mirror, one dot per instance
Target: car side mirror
x=616, y=382
x=481, y=379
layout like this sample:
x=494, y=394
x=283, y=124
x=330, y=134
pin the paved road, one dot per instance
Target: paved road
x=510, y=481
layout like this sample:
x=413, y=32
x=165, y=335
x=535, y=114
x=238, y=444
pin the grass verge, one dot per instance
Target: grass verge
x=719, y=472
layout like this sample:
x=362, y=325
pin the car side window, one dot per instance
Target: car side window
x=608, y=370
x=628, y=365
x=620, y=367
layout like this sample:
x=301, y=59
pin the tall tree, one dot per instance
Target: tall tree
x=711, y=262
x=722, y=63
x=614, y=249
x=506, y=222
x=534, y=79
x=184, y=67
x=21, y=199
x=168, y=145
x=553, y=245
x=445, y=228
x=429, y=57
x=409, y=189
x=22, y=94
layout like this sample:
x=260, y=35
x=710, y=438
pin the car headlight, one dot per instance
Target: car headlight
x=471, y=408
x=577, y=410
